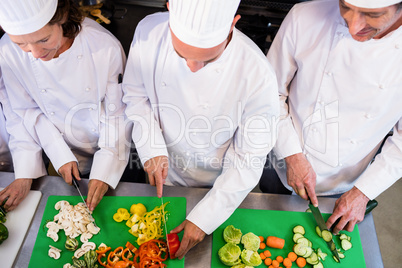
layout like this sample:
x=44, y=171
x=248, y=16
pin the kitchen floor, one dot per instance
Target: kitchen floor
x=387, y=220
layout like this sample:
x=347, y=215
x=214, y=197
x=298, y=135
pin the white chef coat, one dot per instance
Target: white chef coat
x=198, y=119
x=26, y=161
x=72, y=104
x=339, y=99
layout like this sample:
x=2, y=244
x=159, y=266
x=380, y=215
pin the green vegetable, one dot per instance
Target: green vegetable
x=232, y=235
x=90, y=258
x=250, y=257
x=3, y=233
x=2, y=217
x=229, y=254
x=71, y=244
x=251, y=241
x=77, y=263
x=242, y=265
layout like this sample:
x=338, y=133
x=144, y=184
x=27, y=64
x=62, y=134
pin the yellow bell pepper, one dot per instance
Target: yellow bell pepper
x=138, y=209
x=122, y=214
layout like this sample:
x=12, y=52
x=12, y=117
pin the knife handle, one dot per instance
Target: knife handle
x=371, y=204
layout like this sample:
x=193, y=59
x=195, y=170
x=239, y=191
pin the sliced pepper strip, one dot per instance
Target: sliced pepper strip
x=100, y=256
x=103, y=250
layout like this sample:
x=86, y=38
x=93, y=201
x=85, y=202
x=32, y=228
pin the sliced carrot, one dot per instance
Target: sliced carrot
x=279, y=259
x=268, y=261
x=262, y=245
x=301, y=262
x=267, y=253
x=287, y=262
x=271, y=266
x=275, y=242
x=261, y=238
x=262, y=256
x=292, y=256
x=275, y=263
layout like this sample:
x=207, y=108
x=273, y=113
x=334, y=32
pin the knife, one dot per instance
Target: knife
x=323, y=227
x=164, y=221
x=82, y=198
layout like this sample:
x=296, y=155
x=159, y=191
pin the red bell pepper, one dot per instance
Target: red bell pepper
x=173, y=244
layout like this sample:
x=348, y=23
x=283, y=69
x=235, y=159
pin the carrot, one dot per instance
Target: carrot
x=279, y=259
x=275, y=242
x=271, y=266
x=292, y=256
x=262, y=256
x=268, y=261
x=261, y=238
x=301, y=262
x=275, y=263
x=287, y=262
x=267, y=253
x=262, y=245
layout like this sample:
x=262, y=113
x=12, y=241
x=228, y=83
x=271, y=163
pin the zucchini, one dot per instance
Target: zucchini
x=321, y=255
x=326, y=235
x=304, y=241
x=343, y=236
x=318, y=231
x=346, y=244
x=299, y=230
x=318, y=265
x=296, y=237
x=309, y=251
x=300, y=249
x=312, y=259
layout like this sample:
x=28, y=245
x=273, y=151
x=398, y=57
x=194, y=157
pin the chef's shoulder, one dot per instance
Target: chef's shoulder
x=95, y=34
x=154, y=26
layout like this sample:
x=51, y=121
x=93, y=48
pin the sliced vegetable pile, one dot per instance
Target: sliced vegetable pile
x=3, y=228
x=144, y=225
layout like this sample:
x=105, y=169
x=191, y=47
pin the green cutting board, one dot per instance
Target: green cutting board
x=280, y=223
x=112, y=233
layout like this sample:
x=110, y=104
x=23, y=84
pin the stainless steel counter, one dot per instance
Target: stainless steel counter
x=199, y=256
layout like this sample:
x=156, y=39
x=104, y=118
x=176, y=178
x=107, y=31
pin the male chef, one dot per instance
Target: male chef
x=340, y=83
x=202, y=97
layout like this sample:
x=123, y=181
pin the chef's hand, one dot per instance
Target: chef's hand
x=157, y=170
x=96, y=190
x=67, y=171
x=15, y=192
x=350, y=208
x=301, y=177
x=191, y=237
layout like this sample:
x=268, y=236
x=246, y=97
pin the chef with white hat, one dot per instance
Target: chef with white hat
x=62, y=73
x=194, y=86
x=339, y=76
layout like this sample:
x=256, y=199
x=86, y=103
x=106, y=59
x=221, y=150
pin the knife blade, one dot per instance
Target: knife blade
x=321, y=224
x=75, y=184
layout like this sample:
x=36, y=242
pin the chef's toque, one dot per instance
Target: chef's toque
x=18, y=17
x=202, y=23
x=372, y=3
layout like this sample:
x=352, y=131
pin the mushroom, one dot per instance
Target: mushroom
x=67, y=265
x=92, y=228
x=85, y=237
x=79, y=252
x=54, y=252
x=53, y=236
x=88, y=246
x=59, y=205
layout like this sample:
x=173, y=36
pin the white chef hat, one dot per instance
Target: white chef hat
x=372, y=3
x=202, y=23
x=18, y=17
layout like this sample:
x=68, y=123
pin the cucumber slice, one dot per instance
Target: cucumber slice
x=308, y=210
x=300, y=249
x=313, y=259
x=318, y=231
x=310, y=244
x=346, y=245
x=308, y=252
x=335, y=259
x=321, y=255
x=326, y=235
x=304, y=241
x=296, y=237
x=318, y=265
x=343, y=236
x=299, y=229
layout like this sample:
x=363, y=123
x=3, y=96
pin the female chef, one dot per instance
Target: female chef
x=62, y=74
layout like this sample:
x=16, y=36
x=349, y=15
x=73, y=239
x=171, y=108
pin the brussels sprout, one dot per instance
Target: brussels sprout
x=229, y=254
x=232, y=235
x=251, y=241
x=250, y=257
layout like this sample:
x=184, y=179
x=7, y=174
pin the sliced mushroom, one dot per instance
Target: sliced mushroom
x=85, y=237
x=54, y=253
x=53, y=236
x=67, y=265
x=88, y=246
x=79, y=252
x=59, y=205
x=92, y=228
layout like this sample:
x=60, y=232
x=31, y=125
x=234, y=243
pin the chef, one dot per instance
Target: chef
x=339, y=76
x=61, y=73
x=202, y=97
x=26, y=153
